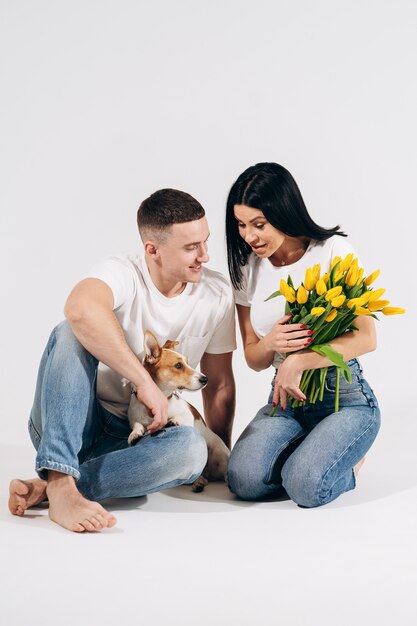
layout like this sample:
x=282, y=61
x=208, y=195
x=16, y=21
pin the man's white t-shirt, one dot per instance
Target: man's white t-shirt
x=261, y=279
x=201, y=318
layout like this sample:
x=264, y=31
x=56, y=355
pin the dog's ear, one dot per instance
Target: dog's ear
x=152, y=348
x=170, y=345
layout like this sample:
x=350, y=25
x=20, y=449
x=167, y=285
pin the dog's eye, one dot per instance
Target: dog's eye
x=178, y=366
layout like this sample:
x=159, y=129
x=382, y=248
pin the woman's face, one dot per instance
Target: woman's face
x=255, y=229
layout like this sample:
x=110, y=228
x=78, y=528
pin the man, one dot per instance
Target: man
x=78, y=422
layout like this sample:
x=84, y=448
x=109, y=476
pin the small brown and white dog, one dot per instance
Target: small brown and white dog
x=170, y=371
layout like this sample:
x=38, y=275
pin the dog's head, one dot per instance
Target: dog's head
x=168, y=368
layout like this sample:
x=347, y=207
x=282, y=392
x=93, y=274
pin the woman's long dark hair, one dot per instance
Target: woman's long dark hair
x=270, y=188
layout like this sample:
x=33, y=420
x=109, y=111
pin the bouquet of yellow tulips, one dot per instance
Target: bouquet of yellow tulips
x=329, y=304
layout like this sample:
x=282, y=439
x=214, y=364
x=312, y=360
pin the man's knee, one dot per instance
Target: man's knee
x=65, y=345
x=192, y=452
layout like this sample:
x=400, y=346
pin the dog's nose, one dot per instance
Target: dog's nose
x=203, y=379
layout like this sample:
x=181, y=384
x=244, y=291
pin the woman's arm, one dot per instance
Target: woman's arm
x=350, y=345
x=286, y=338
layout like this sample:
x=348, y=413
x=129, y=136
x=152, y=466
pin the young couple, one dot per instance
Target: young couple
x=78, y=422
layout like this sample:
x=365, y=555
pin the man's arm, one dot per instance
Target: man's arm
x=219, y=394
x=89, y=310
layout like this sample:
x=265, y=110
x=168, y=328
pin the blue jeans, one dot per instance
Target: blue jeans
x=73, y=434
x=307, y=452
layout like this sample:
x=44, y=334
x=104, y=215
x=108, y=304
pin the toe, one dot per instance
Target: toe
x=87, y=525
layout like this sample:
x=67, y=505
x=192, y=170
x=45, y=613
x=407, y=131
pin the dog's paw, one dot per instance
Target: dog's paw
x=136, y=434
x=199, y=484
x=173, y=422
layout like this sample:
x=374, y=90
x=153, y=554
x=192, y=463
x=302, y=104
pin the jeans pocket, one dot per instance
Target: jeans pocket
x=115, y=426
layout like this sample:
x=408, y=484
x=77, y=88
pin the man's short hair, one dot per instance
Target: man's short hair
x=164, y=208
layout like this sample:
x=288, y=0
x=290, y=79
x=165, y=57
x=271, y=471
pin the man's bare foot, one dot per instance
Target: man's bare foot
x=358, y=466
x=69, y=509
x=25, y=493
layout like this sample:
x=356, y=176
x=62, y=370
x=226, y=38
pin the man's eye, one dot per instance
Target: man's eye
x=178, y=366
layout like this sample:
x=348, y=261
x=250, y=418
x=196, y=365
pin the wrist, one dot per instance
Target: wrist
x=141, y=377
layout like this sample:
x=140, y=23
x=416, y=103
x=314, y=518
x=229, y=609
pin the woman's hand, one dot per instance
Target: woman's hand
x=287, y=381
x=286, y=338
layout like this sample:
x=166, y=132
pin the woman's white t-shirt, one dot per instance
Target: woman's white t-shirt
x=201, y=318
x=261, y=279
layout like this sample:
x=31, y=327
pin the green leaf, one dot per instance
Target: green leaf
x=273, y=295
x=335, y=357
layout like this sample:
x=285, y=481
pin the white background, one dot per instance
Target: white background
x=104, y=102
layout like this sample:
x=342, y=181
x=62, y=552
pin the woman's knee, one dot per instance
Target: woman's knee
x=245, y=480
x=302, y=484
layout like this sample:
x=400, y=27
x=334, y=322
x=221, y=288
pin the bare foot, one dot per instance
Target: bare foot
x=25, y=493
x=69, y=509
x=358, y=466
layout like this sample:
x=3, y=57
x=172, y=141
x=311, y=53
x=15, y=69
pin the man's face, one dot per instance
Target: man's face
x=184, y=250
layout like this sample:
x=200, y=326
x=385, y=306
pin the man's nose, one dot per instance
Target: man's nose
x=203, y=256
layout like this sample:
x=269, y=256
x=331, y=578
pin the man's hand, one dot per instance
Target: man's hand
x=156, y=403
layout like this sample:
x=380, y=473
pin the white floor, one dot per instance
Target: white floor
x=184, y=559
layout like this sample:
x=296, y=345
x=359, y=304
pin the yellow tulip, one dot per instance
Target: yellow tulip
x=361, y=311
x=336, y=259
x=392, y=310
x=316, y=271
x=331, y=315
x=309, y=280
x=321, y=287
x=377, y=305
x=370, y=279
x=290, y=295
x=356, y=302
x=332, y=293
x=302, y=295
x=317, y=311
x=366, y=296
x=338, y=275
x=352, y=276
x=325, y=278
x=360, y=275
x=338, y=301
x=346, y=263
x=283, y=287
x=375, y=295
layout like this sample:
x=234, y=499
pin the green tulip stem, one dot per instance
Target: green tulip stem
x=336, y=403
x=323, y=374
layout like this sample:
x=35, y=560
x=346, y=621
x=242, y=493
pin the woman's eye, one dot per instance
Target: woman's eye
x=178, y=366
x=259, y=225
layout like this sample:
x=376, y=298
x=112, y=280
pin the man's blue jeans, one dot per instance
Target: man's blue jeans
x=309, y=452
x=75, y=435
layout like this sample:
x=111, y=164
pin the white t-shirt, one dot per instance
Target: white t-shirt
x=261, y=279
x=201, y=318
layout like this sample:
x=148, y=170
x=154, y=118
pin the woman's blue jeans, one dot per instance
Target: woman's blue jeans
x=73, y=434
x=309, y=452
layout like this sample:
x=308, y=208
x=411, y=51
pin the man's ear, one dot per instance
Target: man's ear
x=170, y=345
x=152, y=348
x=151, y=248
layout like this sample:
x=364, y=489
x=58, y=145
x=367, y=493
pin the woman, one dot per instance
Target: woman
x=311, y=451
